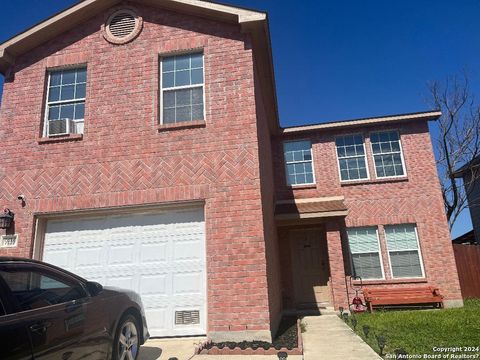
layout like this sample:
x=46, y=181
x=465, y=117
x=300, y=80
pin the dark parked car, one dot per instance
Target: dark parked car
x=49, y=313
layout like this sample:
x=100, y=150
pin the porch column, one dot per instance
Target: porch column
x=337, y=269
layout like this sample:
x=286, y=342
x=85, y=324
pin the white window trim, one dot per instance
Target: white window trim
x=162, y=90
x=417, y=249
x=364, y=155
x=60, y=102
x=368, y=252
x=395, y=152
x=286, y=168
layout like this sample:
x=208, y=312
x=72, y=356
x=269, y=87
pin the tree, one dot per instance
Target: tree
x=458, y=142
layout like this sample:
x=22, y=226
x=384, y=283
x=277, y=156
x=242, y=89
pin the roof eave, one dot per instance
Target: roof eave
x=422, y=116
x=6, y=60
x=265, y=68
x=70, y=17
x=49, y=28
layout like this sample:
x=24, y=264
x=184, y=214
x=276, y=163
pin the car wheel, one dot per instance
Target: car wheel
x=126, y=345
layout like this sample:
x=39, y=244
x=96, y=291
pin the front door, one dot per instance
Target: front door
x=311, y=270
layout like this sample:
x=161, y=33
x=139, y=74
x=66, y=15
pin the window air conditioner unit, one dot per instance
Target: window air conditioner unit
x=61, y=127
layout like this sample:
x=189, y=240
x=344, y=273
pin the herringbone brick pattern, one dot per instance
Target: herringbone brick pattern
x=124, y=160
x=129, y=175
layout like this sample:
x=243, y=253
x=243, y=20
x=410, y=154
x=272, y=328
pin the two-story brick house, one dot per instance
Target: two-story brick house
x=145, y=139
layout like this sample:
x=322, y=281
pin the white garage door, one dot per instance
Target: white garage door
x=161, y=256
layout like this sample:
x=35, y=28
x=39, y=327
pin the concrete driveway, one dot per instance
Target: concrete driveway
x=163, y=349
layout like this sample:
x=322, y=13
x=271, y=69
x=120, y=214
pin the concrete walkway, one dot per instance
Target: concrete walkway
x=328, y=337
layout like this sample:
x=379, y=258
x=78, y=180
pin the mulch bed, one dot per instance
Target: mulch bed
x=288, y=339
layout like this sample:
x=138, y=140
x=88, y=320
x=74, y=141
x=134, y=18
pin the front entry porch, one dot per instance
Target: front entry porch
x=314, y=259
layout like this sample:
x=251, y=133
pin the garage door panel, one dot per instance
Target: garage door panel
x=123, y=254
x=87, y=257
x=161, y=256
x=59, y=257
x=86, y=226
x=157, y=319
x=153, y=285
x=188, y=250
x=188, y=283
x=151, y=252
x=186, y=299
x=157, y=301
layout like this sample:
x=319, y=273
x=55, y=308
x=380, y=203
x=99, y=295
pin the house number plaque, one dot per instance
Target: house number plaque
x=9, y=241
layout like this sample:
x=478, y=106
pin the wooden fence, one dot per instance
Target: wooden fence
x=468, y=266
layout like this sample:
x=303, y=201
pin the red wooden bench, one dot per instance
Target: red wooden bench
x=402, y=296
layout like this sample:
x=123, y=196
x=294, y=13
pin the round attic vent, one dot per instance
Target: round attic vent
x=123, y=26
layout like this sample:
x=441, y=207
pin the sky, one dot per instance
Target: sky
x=344, y=59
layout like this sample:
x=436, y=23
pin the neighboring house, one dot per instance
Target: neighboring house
x=467, y=238
x=471, y=181
x=145, y=138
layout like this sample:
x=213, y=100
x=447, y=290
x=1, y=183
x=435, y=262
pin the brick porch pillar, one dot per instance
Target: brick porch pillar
x=337, y=269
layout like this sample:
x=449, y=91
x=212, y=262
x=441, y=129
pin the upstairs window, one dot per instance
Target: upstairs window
x=365, y=252
x=65, y=109
x=182, y=87
x=352, y=159
x=298, y=162
x=387, y=154
x=404, y=252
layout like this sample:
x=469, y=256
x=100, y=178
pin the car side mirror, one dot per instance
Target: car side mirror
x=94, y=288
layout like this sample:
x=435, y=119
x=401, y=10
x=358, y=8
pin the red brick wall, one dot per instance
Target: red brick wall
x=268, y=201
x=286, y=271
x=414, y=200
x=124, y=160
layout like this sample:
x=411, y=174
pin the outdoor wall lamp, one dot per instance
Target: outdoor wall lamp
x=282, y=355
x=6, y=218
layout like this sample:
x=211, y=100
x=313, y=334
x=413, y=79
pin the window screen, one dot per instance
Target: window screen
x=387, y=154
x=66, y=99
x=351, y=157
x=365, y=252
x=403, y=250
x=182, y=88
x=298, y=161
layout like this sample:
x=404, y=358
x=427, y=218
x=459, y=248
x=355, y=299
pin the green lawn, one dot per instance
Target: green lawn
x=418, y=332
